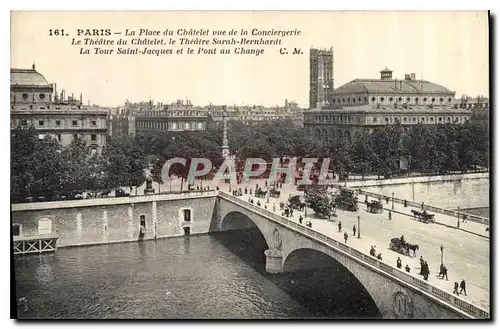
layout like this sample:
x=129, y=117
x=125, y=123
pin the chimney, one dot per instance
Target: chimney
x=407, y=77
x=81, y=98
x=412, y=76
x=33, y=67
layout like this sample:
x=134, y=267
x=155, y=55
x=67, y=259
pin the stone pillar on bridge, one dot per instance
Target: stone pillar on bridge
x=274, y=256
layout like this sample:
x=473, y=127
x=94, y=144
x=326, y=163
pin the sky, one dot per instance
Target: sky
x=448, y=48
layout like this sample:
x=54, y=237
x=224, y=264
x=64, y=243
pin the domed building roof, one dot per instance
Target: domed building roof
x=27, y=77
x=374, y=86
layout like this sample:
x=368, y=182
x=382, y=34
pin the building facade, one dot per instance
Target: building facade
x=35, y=103
x=250, y=114
x=137, y=118
x=321, y=84
x=363, y=104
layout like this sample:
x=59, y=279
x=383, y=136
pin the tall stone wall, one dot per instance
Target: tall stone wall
x=95, y=223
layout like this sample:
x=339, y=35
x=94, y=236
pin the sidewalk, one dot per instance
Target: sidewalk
x=441, y=219
x=476, y=295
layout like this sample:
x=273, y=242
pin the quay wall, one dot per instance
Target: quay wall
x=448, y=192
x=98, y=221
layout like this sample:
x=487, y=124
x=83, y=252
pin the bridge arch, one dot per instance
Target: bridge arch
x=237, y=220
x=331, y=278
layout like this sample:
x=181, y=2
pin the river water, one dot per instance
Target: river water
x=203, y=277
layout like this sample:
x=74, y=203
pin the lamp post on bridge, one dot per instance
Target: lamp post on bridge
x=359, y=228
x=392, y=200
x=442, y=251
x=458, y=217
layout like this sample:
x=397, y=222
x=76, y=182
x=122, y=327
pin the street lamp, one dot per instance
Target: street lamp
x=392, y=200
x=458, y=217
x=359, y=228
x=442, y=249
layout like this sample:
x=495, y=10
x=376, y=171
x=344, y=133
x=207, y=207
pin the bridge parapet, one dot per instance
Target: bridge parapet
x=368, y=261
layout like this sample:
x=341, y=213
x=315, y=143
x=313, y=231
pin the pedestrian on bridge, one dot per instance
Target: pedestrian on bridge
x=455, y=288
x=345, y=237
x=340, y=226
x=354, y=230
x=462, y=288
x=398, y=263
x=422, y=206
x=405, y=203
x=390, y=215
x=407, y=268
x=379, y=256
x=274, y=207
x=246, y=190
x=443, y=272
x=300, y=219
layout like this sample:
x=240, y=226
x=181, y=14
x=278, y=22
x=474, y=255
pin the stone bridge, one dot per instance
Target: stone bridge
x=292, y=247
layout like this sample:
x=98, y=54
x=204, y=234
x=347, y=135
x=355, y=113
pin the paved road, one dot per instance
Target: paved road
x=465, y=255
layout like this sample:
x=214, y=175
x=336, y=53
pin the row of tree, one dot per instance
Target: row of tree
x=42, y=168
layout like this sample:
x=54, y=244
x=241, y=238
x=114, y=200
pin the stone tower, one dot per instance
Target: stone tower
x=225, y=140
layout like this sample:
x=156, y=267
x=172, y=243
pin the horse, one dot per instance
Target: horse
x=412, y=247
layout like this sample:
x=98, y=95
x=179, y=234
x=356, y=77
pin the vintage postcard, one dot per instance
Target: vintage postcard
x=250, y=165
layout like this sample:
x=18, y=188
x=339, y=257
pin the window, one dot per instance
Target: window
x=390, y=99
x=433, y=99
x=405, y=119
x=374, y=119
x=16, y=230
x=381, y=99
x=142, y=221
x=359, y=99
x=200, y=125
x=449, y=100
x=187, y=215
x=41, y=122
x=422, y=120
x=75, y=137
x=414, y=119
x=407, y=99
x=373, y=99
x=333, y=101
x=94, y=122
x=42, y=96
x=41, y=136
x=441, y=100
x=75, y=123
x=25, y=96
x=386, y=120
x=448, y=119
x=58, y=137
x=174, y=126
x=93, y=137
x=431, y=119
x=24, y=122
x=400, y=99
x=425, y=99
x=366, y=99
x=31, y=107
x=58, y=122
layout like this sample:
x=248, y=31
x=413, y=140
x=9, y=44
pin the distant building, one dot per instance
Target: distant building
x=35, y=103
x=363, y=104
x=320, y=77
x=142, y=117
x=250, y=114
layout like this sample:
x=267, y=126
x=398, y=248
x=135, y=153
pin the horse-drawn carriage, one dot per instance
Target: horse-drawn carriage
x=423, y=216
x=260, y=192
x=274, y=192
x=374, y=206
x=347, y=199
x=297, y=202
x=400, y=246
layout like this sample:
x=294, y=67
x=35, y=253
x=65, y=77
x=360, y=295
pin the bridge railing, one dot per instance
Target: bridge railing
x=439, y=294
x=452, y=213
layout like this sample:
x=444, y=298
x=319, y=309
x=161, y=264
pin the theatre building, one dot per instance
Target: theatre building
x=364, y=104
x=35, y=103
